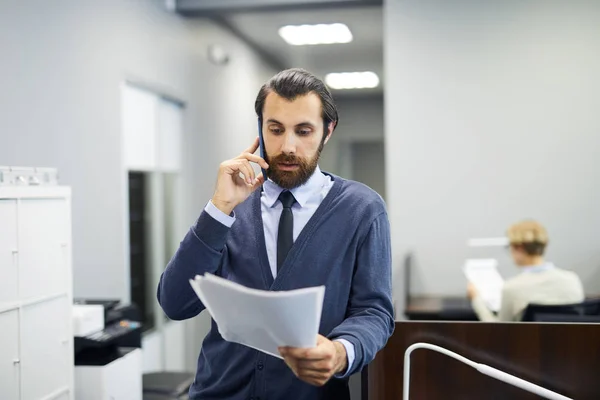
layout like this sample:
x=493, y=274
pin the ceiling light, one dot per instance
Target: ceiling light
x=299, y=35
x=352, y=80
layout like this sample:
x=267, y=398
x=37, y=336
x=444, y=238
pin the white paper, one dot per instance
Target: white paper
x=263, y=320
x=483, y=273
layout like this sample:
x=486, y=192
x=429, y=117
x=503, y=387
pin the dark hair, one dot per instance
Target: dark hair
x=295, y=82
x=531, y=248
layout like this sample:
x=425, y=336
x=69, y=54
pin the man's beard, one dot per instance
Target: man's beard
x=292, y=179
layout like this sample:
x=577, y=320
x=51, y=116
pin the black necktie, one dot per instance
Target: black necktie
x=285, y=236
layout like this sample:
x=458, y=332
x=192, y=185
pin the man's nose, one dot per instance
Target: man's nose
x=289, y=143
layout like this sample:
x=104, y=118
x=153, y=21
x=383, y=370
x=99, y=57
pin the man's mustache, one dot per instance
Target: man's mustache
x=287, y=158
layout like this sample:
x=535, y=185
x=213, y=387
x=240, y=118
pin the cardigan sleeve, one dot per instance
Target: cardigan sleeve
x=369, y=318
x=200, y=251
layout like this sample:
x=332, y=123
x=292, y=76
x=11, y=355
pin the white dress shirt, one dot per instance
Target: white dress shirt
x=308, y=198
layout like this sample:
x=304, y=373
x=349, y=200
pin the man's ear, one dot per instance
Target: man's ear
x=330, y=129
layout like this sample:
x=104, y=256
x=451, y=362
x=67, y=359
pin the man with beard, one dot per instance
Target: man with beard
x=300, y=228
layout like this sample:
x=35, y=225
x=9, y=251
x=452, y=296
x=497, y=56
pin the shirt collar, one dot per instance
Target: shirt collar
x=302, y=194
x=537, y=268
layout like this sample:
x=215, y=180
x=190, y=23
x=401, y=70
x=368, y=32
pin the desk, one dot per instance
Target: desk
x=436, y=308
x=445, y=308
x=561, y=357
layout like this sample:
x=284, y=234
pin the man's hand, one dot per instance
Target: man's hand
x=231, y=188
x=318, y=364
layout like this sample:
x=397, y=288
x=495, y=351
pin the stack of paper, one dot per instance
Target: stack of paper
x=263, y=320
x=483, y=273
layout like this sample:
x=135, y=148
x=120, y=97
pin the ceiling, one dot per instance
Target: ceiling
x=364, y=53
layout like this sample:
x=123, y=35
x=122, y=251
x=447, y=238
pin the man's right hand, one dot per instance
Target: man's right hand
x=231, y=188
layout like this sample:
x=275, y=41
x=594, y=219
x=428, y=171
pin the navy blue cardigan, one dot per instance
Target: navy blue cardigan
x=344, y=246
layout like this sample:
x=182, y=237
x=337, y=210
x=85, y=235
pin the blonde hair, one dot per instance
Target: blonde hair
x=529, y=235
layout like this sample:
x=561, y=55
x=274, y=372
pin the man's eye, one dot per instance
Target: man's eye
x=304, y=132
x=275, y=130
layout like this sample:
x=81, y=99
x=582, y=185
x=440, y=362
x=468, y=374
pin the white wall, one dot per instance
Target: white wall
x=62, y=63
x=361, y=120
x=175, y=351
x=152, y=354
x=492, y=116
x=62, y=66
x=368, y=165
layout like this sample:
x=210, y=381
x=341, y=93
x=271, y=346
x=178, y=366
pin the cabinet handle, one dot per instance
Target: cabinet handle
x=15, y=253
x=16, y=361
x=64, y=341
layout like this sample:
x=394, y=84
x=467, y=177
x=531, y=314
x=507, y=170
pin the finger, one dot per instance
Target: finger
x=314, y=382
x=246, y=169
x=314, y=379
x=314, y=375
x=321, y=339
x=232, y=167
x=253, y=147
x=258, y=181
x=321, y=352
x=239, y=180
x=315, y=366
x=315, y=354
x=286, y=351
x=254, y=158
x=296, y=353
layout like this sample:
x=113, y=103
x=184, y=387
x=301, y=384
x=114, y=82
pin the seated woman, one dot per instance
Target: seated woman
x=539, y=282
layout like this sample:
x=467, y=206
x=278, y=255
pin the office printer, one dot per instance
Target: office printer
x=107, y=343
x=114, y=325
x=108, y=356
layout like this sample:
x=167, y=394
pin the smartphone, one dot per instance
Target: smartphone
x=261, y=145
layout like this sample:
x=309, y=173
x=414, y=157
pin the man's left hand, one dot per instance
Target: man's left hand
x=318, y=364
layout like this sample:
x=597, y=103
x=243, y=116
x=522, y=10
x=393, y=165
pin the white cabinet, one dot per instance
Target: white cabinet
x=36, y=335
x=46, y=355
x=9, y=355
x=8, y=251
x=42, y=247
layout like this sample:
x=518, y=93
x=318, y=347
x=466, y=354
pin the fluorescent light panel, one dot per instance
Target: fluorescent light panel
x=300, y=35
x=352, y=80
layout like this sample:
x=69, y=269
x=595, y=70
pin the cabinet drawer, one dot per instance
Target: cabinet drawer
x=43, y=251
x=46, y=360
x=9, y=355
x=8, y=251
